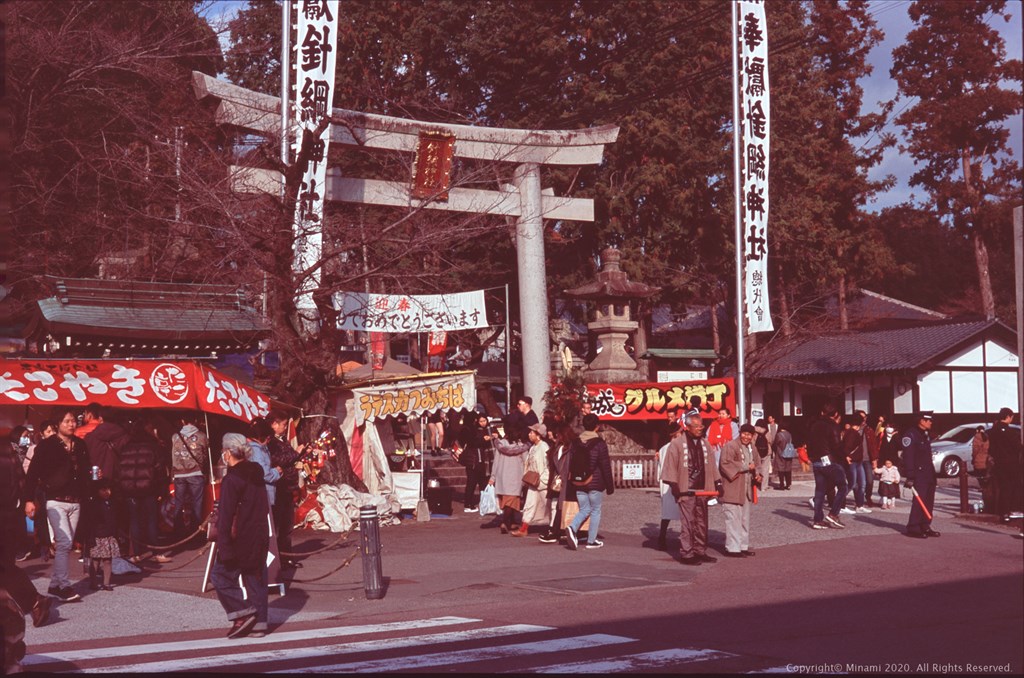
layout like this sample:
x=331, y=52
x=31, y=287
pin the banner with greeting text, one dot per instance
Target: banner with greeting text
x=173, y=384
x=620, y=402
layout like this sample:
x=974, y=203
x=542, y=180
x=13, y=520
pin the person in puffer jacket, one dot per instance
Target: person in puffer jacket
x=141, y=480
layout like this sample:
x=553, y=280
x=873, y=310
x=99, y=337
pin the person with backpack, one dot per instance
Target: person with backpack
x=590, y=470
x=189, y=450
x=785, y=453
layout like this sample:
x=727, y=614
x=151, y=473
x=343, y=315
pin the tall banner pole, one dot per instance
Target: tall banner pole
x=1018, y=260
x=508, y=356
x=286, y=44
x=741, y=401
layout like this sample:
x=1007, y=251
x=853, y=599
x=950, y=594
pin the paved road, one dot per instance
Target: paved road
x=465, y=598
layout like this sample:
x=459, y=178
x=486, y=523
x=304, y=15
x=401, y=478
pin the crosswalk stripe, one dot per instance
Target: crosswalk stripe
x=466, y=656
x=633, y=663
x=215, y=643
x=293, y=653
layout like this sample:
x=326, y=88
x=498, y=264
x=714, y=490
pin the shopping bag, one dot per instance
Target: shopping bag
x=488, y=502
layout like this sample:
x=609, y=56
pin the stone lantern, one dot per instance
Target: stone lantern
x=612, y=291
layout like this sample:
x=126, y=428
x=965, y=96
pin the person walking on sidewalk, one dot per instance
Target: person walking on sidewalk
x=189, y=453
x=690, y=467
x=784, y=454
x=823, y=449
x=589, y=495
x=59, y=472
x=739, y=476
x=536, y=507
x=917, y=457
x=507, y=478
x=243, y=542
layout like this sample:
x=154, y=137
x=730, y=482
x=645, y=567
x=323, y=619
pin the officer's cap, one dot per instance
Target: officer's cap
x=927, y=414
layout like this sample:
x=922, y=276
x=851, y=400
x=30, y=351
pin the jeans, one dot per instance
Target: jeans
x=825, y=476
x=590, y=505
x=188, y=493
x=858, y=481
x=869, y=473
x=229, y=593
x=142, y=528
x=63, y=518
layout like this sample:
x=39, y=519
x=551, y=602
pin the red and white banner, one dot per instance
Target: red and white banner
x=755, y=133
x=618, y=402
x=170, y=384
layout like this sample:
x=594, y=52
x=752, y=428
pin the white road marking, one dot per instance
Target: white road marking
x=466, y=656
x=215, y=643
x=635, y=662
x=289, y=653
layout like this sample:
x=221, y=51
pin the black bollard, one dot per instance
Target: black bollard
x=369, y=539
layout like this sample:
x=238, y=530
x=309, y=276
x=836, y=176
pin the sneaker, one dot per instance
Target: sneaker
x=819, y=526
x=574, y=542
x=106, y=587
x=596, y=545
x=548, y=538
x=469, y=509
x=23, y=557
x=833, y=521
x=161, y=558
x=1016, y=515
x=862, y=509
x=847, y=510
x=41, y=611
x=242, y=626
x=810, y=502
x=257, y=634
x=65, y=594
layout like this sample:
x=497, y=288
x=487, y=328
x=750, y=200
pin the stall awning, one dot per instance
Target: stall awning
x=173, y=384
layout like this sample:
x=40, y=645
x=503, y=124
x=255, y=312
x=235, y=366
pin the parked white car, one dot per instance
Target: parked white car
x=953, y=449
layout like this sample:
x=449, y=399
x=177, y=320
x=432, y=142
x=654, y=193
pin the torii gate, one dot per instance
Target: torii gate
x=529, y=149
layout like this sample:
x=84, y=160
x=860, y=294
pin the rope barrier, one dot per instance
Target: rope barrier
x=344, y=564
x=191, y=560
x=289, y=554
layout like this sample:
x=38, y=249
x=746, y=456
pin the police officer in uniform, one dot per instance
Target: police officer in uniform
x=917, y=459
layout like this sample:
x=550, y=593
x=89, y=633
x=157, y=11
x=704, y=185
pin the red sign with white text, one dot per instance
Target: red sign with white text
x=130, y=384
x=618, y=402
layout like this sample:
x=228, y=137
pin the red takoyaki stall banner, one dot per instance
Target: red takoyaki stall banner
x=618, y=402
x=176, y=384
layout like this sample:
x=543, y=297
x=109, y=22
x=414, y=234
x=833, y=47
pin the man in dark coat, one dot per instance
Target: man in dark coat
x=285, y=457
x=917, y=457
x=590, y=495
x=1004, y=451
x=243, y=540
x=104, y=443
x=142, y=477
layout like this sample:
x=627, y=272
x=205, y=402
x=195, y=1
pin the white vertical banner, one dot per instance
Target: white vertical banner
x=316, y=49
x=755, y=126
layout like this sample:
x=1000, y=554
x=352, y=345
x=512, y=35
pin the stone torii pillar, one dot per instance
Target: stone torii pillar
x=258, y=113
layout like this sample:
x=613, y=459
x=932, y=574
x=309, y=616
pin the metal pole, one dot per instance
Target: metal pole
x=286, y=35
x=369, y=540
x=741, y=400
x=508, y=355
x=1018, y=259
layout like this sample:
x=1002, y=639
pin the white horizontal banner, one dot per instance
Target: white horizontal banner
x=410, y=313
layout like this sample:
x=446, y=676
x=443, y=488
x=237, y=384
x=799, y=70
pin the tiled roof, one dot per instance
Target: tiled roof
x=156, y=311
x=878, y=351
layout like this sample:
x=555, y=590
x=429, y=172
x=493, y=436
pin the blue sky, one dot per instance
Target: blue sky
x=892, y=18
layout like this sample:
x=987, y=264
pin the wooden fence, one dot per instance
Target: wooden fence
x=648, y=468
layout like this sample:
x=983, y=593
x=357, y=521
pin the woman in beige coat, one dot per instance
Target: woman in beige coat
x=536, y=510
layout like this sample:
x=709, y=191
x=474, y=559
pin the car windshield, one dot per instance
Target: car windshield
x=960, y=434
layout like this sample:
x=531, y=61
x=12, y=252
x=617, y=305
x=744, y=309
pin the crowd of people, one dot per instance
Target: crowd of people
x=92, y=483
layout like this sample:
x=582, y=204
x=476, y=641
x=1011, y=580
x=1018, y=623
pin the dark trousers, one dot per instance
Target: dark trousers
x=476, y=480
x=142, y=527
x=284, y=517
x=1008, y=479
x=918, y=521
x=693, y=528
